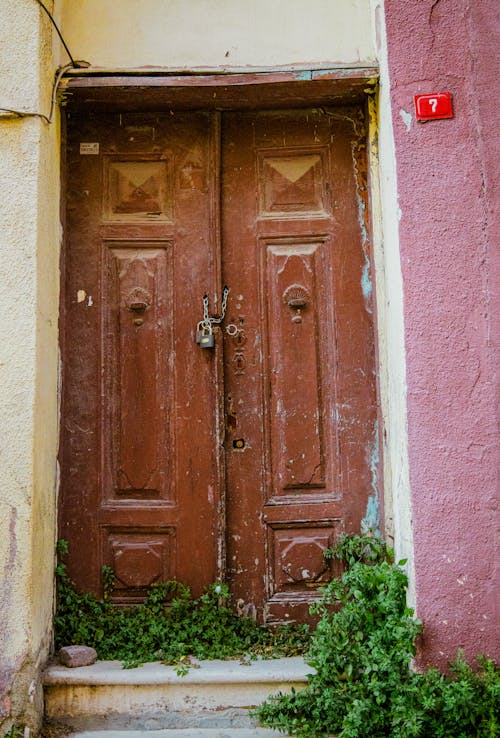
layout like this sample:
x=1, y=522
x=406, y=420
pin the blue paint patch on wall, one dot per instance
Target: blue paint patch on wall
x=366, y=282
x=305, y=75
x=371, y=521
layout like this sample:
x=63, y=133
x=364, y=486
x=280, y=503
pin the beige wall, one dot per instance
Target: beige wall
x=214, y=33
x=389, y=292
x=29, y=254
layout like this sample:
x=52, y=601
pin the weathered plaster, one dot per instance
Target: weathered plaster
x=446, y=173
x=389, y=294
x=28, y=245
x=203, y=33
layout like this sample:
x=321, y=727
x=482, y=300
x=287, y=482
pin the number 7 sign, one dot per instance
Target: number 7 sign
x=434, y=106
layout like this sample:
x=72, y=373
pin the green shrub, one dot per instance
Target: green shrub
x=14, y=732
x=362, y=650
x=169, y=626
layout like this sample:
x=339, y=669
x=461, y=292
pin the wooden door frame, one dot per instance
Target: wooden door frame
x=101, y=90
x=93, y=90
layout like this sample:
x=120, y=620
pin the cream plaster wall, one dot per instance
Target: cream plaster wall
x=29, y=253
x=389, y=291
x=217, y=33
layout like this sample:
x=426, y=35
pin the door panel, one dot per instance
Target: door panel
x=178, y=461
x=301, y=396
x=137, y=336
x=141, y=484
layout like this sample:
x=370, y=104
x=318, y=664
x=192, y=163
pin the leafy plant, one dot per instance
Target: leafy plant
x=362, y=651
x=14, y=732
x=170, y=626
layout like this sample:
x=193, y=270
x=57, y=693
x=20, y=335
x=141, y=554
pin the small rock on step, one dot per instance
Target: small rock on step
x=74, y=656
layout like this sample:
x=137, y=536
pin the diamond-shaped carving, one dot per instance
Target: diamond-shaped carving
x=138, y=558
x=298, y=557
x=136, y=564
x=303, y=561
x=291, y=182
x=138, y=190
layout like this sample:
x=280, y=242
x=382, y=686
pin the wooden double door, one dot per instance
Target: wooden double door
x=244, y=461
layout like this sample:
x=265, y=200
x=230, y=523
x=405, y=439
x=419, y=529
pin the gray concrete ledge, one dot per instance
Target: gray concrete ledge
x=88, y=694
x=208, y=672
x=181, y=733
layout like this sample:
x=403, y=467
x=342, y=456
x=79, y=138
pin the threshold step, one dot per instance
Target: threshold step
x=182, y=733
x=154, y=691
x=232, y=718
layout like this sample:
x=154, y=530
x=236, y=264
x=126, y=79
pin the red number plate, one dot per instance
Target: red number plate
x=434, y=106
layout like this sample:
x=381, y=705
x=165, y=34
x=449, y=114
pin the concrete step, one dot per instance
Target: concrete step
x=236, y=718
x=211, y=700
x=182, y=733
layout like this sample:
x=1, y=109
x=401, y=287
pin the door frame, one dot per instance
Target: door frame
x=137, y=91
x=88, y=90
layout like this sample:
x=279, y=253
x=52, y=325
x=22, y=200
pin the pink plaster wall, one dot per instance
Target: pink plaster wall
x=447, y=178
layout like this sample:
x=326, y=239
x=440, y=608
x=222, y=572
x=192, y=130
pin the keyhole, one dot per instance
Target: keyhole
x=231, y=413
x=240, y=339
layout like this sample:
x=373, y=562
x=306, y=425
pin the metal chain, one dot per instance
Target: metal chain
x=225, y=295
x=208, y=319
x=206, y=316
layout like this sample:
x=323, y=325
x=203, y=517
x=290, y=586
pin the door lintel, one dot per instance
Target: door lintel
x=102, y=90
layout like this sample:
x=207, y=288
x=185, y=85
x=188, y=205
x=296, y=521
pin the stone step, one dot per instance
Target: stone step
x=232, y=718
x=182, y=733
x=105, y=699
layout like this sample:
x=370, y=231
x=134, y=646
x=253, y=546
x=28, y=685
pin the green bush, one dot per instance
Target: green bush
x=362, y=650
x=14, y=732
x=169, y=626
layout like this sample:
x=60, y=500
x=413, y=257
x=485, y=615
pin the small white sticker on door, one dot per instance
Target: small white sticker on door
x=89, y=148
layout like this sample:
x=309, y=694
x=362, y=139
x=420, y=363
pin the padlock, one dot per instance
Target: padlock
x=207, y=339
x=199, y=332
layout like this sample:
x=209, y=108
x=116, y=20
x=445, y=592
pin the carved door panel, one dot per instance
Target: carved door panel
x=140, y=473
x=300, y=381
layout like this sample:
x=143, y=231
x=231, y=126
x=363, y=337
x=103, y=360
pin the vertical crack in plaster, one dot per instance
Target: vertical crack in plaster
x=480, y=158
x=9, y=565
x=6, y=678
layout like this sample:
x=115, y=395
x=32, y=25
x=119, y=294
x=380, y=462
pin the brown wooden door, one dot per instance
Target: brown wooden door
x=242, y=462
x=300, y=378
x=141, y=476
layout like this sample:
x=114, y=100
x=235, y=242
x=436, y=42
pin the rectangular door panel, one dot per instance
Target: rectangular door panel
x=138, y=382
x=139, y=558
x=299, y=375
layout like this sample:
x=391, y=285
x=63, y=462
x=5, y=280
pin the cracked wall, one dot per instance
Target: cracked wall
x=447, y=174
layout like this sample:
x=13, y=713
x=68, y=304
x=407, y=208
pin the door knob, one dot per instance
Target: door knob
x=138, y=307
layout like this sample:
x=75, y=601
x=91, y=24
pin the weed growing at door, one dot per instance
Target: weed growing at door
x=170, y=626
x=361, y=651
x=14, y=732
